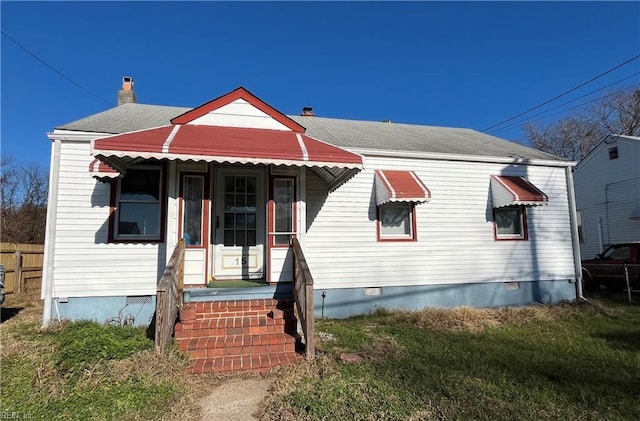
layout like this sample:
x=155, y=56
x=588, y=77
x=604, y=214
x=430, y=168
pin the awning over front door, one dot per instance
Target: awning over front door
x=400, y=186
x=225, y=144
x=513, y=190
x=236, y=128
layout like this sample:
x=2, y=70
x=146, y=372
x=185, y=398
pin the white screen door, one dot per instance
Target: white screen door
x=239, y=224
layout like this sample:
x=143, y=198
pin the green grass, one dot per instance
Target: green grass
x=572, y=362
x=84, y=370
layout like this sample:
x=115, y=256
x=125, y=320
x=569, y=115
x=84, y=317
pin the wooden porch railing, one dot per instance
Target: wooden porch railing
x=303, y=298
x=169, y=297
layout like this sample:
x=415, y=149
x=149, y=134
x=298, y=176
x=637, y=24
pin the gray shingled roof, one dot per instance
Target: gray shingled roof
x=343, y=133
x=126, y=118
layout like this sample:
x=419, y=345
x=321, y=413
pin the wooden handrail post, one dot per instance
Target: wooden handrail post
x=310, y=321
x=303, y=297
x=169, y=297
x=181, y=245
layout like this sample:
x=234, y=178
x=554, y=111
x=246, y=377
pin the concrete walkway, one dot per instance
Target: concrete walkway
x=235, y=400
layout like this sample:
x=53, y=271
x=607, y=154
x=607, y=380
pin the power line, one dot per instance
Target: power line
x=529, y=119
x=564, y=111
x=564, y=93
x=55, y=70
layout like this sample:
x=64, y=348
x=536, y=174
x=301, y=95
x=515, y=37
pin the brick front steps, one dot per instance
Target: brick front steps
x=239, y=335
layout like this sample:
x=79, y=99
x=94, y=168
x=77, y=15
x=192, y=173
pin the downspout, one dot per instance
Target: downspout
x=575, y=241
x=50, y=233
x=600, y=236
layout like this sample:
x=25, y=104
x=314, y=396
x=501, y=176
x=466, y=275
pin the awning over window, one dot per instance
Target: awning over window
x=513, y=190
x=224, y=144
x=400, y=186
x=102, y=171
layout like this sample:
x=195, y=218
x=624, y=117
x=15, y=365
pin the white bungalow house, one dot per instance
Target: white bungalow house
x=607, y=188
x=388, y=215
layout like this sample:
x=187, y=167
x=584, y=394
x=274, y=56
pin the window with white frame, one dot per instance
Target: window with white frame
x=396, y=221
x=138, y=204
x=510, y=223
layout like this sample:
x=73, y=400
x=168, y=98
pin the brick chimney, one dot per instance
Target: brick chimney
x=126, y=94
x=307, y=112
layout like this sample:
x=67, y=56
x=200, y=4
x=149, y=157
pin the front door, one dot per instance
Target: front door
x=239, y=224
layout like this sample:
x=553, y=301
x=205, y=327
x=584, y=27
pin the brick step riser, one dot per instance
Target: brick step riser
x=240, y=351
x=244, y=313
x=273, y=314
x=226, y=306
x=222, y=333
x=231, y=322
x=256, y=363
x=214, y=317
x=236, y=341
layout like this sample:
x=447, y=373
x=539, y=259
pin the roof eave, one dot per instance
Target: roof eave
x=461, y=157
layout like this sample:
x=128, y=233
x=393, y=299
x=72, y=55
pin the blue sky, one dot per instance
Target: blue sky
x=460, y=64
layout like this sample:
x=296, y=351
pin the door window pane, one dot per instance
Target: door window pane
x=193, y=194
x=240, y=210
x=251, y=237
x=282, y=210
x=229, y=239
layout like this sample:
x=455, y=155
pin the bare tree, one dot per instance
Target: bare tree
x=574, y=136
x=23, y=202
x=620, y=113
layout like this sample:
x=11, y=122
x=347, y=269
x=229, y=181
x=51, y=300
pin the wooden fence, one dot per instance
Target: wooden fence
x=23, y=266
x=303, y=298
x=169, y=297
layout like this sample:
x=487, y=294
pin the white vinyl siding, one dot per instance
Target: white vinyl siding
x=608, y=190
x=85, y=264
x=240, y=113
x=455, y=230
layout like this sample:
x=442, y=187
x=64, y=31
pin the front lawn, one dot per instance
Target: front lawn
x=568, y=362
x=87, y=371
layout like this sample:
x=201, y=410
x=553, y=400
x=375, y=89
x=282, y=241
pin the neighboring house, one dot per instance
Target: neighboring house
x=607, y=187
x=388, y=215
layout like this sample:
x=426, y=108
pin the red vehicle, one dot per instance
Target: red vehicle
x=608, y=268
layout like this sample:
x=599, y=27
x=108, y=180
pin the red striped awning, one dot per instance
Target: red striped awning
x=101, y=171
x=400, y=186
x=514, y=190
x=226, y=144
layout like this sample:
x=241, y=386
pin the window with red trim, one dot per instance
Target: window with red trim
x=396, y=221
x=138, y=205
x=510, y=223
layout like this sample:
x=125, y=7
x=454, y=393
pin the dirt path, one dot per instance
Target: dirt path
x=235, y=400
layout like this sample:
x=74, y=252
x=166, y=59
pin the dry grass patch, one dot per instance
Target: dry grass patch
x=569, y=361
x=382, y=347
x=477, y=320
